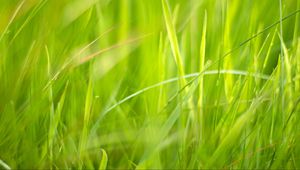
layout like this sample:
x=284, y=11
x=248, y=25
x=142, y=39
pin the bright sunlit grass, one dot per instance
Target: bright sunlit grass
x=149, y=84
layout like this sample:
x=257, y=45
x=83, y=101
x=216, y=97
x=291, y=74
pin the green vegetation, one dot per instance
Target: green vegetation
x=149, y=84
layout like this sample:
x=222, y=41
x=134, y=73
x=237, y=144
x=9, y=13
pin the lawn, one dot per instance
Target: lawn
x=149, y=84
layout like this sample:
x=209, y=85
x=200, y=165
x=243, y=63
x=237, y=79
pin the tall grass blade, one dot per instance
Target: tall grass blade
x=86, y=119
x=173, y=38
x=201, y=78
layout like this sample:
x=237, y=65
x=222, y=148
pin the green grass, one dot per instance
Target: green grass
x=160, y=84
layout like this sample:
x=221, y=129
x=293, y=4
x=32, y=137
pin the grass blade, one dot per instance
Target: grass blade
x=201, y=78
x=4, y=165
x=173, y=38
x=87, y=115
x=104, y=160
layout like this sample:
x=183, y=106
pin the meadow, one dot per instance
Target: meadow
x=149, y=84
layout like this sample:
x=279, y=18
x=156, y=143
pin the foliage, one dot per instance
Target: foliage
x=158, y=84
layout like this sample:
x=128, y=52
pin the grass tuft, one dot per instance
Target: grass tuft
x=161, y=84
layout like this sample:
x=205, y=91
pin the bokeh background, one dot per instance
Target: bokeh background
x=67, y=65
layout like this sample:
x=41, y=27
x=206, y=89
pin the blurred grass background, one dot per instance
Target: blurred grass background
x=176, y=84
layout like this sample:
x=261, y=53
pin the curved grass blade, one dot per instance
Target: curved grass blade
x=104, y=160
x=193, y=75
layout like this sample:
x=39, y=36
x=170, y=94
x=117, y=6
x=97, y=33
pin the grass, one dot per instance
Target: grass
x=129, y=84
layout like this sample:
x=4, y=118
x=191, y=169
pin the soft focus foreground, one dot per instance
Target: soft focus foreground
x=96, y=84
